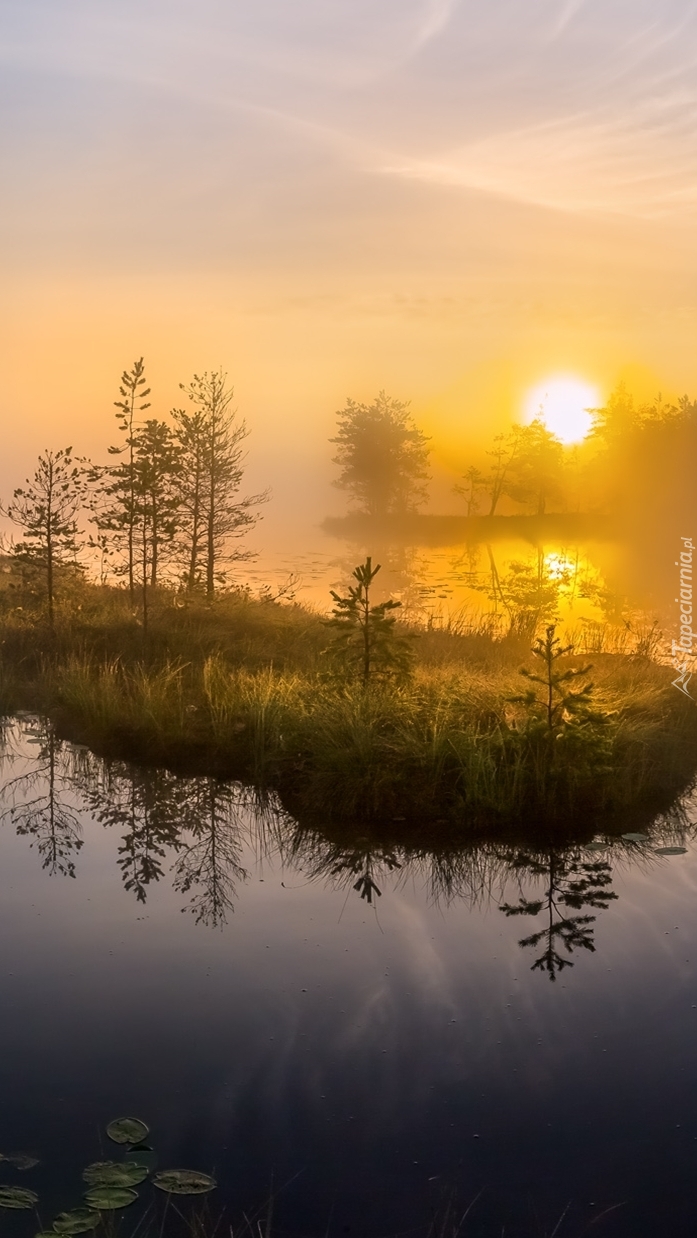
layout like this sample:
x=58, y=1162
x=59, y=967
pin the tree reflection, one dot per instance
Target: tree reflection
x=572, y=884
x=195, y=831
x=198, y=821
x=208, y=867
x=363, y=865
x=147, y=806
x=43, y=815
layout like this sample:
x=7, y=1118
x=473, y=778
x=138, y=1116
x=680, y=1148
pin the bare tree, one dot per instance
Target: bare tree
x=156, y=469
x=473, y=480
x=120, y=514
x=190, y=431
x=504, y=455
x=46, y=508
x=212, y=472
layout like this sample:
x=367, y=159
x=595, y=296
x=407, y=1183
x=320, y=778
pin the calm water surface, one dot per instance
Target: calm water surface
x=171, y=949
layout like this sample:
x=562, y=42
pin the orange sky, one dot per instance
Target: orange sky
x=446, y=200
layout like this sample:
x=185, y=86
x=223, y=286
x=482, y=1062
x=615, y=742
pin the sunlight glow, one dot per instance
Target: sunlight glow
x=562, y=404
x=560, y=567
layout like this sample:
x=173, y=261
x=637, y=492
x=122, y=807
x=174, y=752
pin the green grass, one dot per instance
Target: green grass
x=242, y=689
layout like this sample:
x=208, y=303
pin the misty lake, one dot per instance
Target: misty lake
x=359, y=1032
x=606, y=589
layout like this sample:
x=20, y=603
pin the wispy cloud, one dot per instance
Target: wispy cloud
x=645, y=165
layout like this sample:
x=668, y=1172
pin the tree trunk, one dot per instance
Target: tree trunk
x=210, y=548
x=49, y=578
x=195, y=528
x=49, y=548
x=145, y=574
x=132, y=505
x=366, y=638
x=154, y=541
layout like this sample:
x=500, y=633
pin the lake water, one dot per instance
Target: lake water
x=612, y=593
x=174, y=950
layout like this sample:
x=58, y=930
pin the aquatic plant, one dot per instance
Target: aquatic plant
x=110, y=1183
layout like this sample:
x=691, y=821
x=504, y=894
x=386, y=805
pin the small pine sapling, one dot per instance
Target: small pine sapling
x=365, y=638
x=558, y=702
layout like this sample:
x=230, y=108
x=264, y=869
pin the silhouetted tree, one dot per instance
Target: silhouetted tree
x=473, y=480
x=558, y=699
x=535, y=473
x=383, y=457
x=156, y=469
x=618, y=418
x=212, y=471
x=190, y=431
x=116, y=507
x=504, y=455
x=366, y=639
x=46, y=508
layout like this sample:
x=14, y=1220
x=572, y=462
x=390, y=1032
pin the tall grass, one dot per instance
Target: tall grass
x=240, y=689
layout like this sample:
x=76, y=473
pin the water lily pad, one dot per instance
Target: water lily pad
x=106, y=1198
x=184, y=1182
x=596, y=847
x=17, y=1197
x=142, y=1155
x=671, y=850
x=77, y=1221
x=127, y=1130
x=115, y=1173
x=635, y=838
x=21, y=1160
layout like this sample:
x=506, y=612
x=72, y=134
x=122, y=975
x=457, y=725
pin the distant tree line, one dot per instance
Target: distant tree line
x=629, y=463
x=168, y=505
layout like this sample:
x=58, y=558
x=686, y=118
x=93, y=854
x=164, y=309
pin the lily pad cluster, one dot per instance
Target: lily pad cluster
x=110, y=1183
x=18, y=1197
x=184, y=1182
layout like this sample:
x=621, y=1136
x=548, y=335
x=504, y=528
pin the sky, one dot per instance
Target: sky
x=448, y=199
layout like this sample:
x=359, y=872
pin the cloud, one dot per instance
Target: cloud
x=644, y=165
x=566, y=15
x=436, y=19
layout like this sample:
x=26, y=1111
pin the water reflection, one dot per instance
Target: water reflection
x=146, y=807
x=38, y=804
x=572, y=883
x=193, y=829
x=510, y=583
x=208, y=867
x=195, y=833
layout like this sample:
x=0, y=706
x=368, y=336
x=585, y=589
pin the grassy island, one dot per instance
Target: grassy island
x=462, y=746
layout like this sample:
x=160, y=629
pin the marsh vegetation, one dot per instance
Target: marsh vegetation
x=133, y=640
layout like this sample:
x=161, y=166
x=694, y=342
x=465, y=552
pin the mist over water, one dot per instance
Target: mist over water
x=455, y=577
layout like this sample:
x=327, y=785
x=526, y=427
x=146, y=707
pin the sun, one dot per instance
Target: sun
x=562, y=403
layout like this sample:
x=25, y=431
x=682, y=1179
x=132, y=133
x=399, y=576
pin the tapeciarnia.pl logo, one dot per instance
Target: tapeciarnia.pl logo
x=682, y=649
